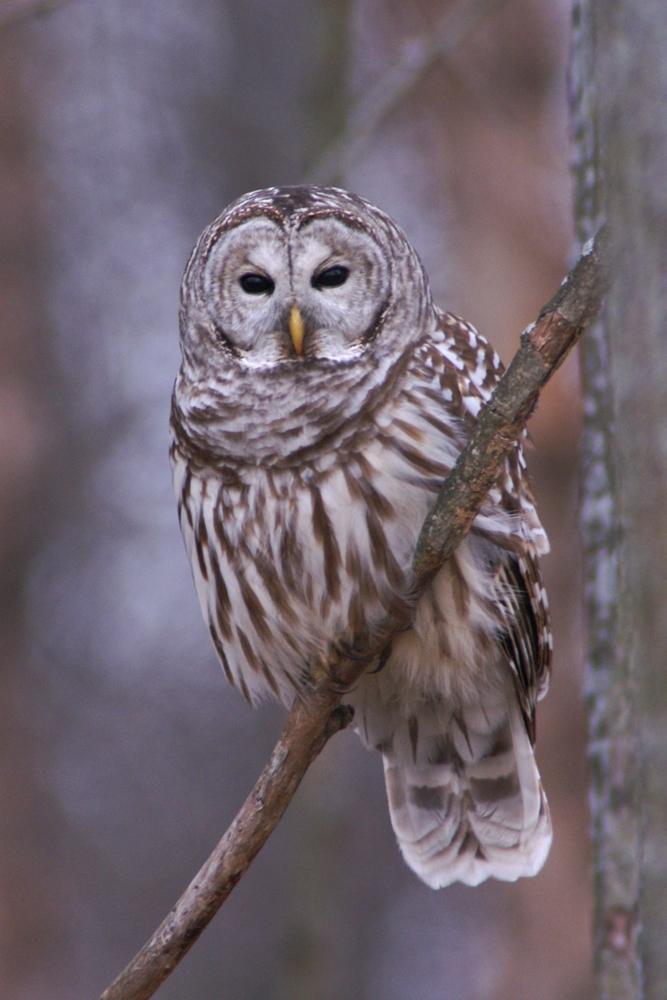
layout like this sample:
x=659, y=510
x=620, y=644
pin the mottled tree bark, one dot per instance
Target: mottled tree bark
x=613, y=756
x=620, y=86
x=632, y=80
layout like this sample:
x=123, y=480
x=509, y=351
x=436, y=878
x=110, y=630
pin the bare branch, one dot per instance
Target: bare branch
x=544, y=346
x=312, y=721
x=308, y=727
x=412, y=65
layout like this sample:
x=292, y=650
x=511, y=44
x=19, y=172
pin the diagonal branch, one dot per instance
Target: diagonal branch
x=311, y=722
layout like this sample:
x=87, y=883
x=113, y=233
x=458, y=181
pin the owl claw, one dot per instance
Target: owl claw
x=353, y=649
x=382, y=659
x=340, y=718
x=339, y=687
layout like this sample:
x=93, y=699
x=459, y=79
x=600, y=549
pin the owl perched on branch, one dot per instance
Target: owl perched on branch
x=321, y=401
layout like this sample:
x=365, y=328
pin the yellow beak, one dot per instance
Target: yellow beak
x=296, y=329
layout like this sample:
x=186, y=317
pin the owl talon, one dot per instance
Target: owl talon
x=382, y=659
x=340, y=718
x=353, y=650
x=338, y=686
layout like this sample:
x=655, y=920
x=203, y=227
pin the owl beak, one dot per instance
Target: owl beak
x=296, y=329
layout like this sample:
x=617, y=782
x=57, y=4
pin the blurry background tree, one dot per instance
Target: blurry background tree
x=620, y=91
x=128, y=126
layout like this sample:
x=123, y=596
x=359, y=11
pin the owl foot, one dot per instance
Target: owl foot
x=340, y=718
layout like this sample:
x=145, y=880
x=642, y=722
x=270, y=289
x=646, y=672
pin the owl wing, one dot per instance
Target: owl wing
x=468, y=369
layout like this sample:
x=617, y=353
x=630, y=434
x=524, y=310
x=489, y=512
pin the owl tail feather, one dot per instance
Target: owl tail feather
x=465, y=796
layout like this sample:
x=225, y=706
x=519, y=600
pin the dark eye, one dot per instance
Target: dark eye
x=332, y=277
x=256, y=284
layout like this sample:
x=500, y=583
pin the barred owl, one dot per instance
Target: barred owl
x=322, y=399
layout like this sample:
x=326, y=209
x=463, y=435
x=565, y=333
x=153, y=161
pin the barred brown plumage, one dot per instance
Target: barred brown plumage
x=303, y=471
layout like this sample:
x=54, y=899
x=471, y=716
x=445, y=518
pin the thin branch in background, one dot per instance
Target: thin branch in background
x=312, y=721
x=412, y=65
x=13, y=12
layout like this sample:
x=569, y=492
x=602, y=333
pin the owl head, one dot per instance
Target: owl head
x=298, y=280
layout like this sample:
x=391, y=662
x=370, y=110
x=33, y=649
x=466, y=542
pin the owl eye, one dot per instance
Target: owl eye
x=332, y=277
x=256, y=284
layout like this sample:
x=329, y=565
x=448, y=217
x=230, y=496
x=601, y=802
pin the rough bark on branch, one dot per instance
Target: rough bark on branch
x=312, y=721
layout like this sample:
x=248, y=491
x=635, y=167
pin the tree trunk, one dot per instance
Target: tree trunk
x=620, y=91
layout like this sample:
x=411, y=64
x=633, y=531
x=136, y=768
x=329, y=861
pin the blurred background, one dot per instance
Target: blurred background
x=126, y=127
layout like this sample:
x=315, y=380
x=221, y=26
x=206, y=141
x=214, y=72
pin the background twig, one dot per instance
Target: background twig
x=412, y=65
x=311, y=722
x=14, y=11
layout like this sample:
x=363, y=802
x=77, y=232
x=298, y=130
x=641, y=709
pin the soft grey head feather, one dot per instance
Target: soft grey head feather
x=243, y=390
x=289, y=234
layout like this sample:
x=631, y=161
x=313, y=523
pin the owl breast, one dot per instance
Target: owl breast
x=288, y=563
